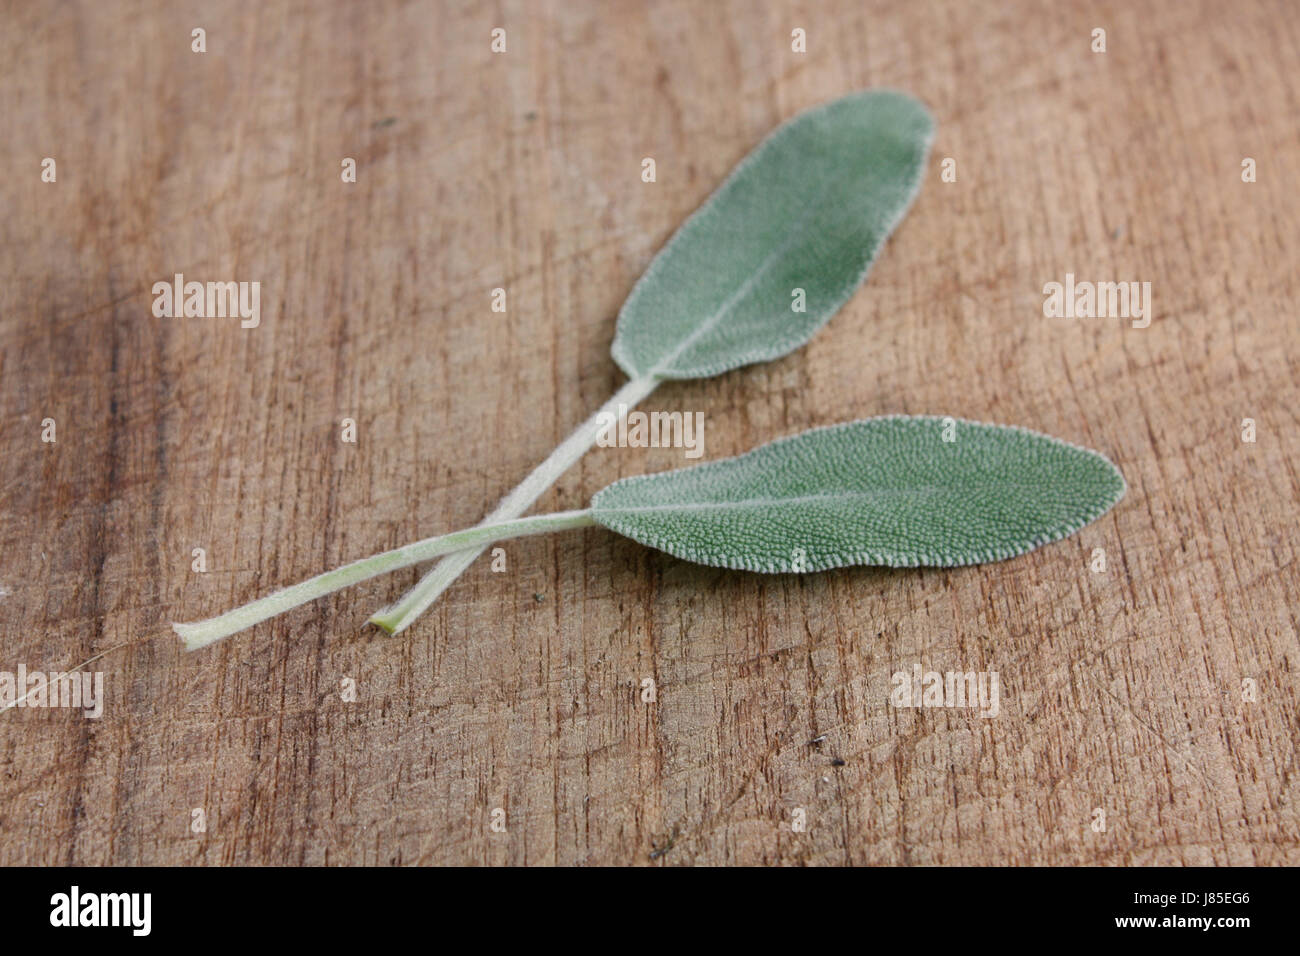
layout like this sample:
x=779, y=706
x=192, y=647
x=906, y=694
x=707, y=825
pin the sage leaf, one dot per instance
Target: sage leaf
x=884, y=491
x=750, y=276
x=807, y=210
x=900, y=491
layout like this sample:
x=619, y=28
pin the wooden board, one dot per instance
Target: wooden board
x=1160, y=691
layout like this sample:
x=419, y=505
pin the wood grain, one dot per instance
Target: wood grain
x=521, y=690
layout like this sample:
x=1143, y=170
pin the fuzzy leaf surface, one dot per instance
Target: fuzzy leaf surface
x=808, y=209
x=882, y=491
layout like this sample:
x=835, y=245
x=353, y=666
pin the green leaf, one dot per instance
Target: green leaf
x=807, y=209
x=885, y=491
x=900, y=491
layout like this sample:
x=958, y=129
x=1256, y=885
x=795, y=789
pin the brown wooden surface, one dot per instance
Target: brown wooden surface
x=1120, y=690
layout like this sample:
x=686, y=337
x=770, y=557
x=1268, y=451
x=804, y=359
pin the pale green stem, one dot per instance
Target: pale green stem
x=202, y=633
x=397, y=617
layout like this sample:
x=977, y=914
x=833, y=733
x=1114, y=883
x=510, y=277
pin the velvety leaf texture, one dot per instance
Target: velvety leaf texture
x=884, y=491
x=807, y=209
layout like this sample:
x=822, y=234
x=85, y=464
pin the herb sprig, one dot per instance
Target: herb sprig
x=900, y=491
x=761, y=266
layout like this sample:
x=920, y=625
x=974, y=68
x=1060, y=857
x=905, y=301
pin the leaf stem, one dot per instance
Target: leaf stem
x=202, y=633
x=397, y=617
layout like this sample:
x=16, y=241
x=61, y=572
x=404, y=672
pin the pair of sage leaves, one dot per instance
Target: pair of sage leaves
x=808, y=209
